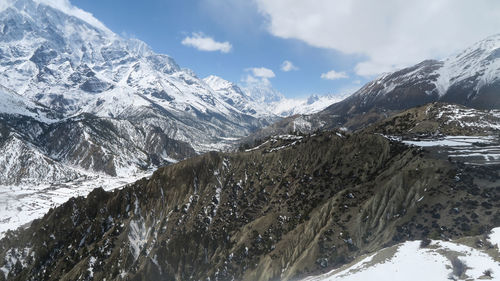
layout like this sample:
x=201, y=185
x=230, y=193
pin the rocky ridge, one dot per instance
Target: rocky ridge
x=294, y=206
x=438, y=119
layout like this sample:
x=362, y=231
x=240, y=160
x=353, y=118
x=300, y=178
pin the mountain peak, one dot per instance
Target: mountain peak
x=64, y=6
x=261, y=90
x=486, y=49
x=490, y=43
x=218, y=83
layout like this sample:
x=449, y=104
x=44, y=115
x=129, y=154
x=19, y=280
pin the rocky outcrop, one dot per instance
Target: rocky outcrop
x=440, y=119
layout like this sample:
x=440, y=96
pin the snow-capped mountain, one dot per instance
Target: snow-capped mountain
x=71, y=66
x=119, y=104
x=235, y=96
x=473, y=75
x=262, y=91
x=471, y=78
x=313, y=104
x=265, y=101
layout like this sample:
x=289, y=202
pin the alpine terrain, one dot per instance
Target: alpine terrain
x=118, y=164
x=295, y=206
x=470, y=78
x=81, y=104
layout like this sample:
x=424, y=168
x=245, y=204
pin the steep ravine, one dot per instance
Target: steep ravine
x=295, y=206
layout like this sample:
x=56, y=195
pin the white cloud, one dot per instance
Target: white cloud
x=251, y=80
x=206, y=43
x=66, y=7
x=390, y=34
x=333, y=75
x=288, y=66
x=261, y=72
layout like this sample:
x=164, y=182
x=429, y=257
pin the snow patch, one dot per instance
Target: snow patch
x=14, y=256
x=452, y=141
x=409, y=260
x=92, y=261
x=138, y=236
x=494, y=236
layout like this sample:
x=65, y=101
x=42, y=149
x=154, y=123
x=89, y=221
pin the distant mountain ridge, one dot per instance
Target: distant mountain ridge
x=471, y=78
x=264, y=100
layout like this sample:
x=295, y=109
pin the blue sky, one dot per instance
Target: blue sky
x=335, y=45
x=164, y=24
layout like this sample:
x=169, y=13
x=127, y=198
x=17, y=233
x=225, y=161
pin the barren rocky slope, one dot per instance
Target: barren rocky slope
x=294, y=206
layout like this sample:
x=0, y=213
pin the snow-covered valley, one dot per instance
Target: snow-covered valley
x=20, y=204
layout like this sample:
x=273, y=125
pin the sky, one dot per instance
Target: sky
x=300, y=47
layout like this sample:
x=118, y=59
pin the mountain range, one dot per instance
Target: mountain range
x=470, y=78
x=125, y=107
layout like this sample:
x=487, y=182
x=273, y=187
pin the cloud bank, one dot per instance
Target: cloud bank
x=390, y=34
x=206, y=43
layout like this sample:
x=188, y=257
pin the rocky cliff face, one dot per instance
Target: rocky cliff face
x=293, y=206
